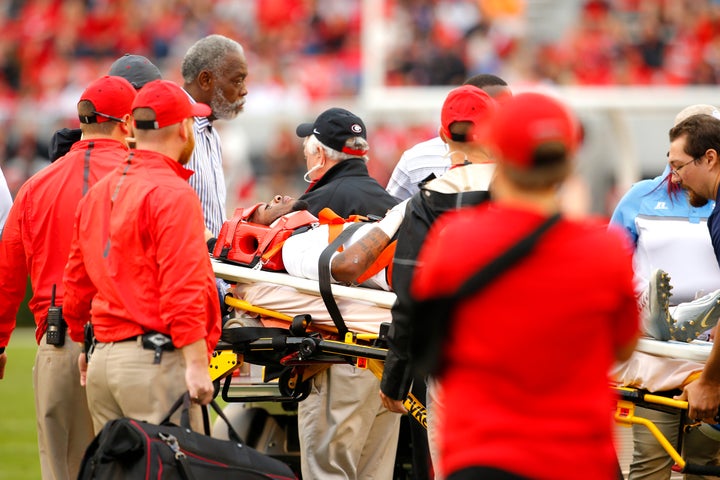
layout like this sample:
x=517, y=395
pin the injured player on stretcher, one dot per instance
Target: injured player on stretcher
x=361, y=260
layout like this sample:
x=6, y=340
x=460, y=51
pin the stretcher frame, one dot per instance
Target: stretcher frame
x=303, y=354
x=631, y=397
x=299, y=352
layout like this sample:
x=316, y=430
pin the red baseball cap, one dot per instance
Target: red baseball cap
x=526, y=121
x=466, y=104
x=170, y=103
x=112, y=98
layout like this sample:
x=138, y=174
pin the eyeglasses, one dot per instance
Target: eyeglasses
x=676, y=171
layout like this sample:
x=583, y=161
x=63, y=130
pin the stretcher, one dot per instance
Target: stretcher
x=292, y=353
x=299, y=345
x=630, y=397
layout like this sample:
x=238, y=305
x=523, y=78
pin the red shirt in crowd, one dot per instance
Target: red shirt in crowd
x=526, y=387
x=37, y=234
x=139, y=255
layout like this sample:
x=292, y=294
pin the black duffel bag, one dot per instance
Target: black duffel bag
x=133, y=449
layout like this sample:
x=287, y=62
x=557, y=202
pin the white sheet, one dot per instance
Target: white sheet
x=236, y=273
x=660, y=366
x=359, y=316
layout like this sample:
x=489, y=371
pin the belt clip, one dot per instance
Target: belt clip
x=157, y=342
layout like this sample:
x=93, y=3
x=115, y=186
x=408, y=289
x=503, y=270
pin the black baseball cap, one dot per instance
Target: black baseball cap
x=333, y=128
x=136, y=69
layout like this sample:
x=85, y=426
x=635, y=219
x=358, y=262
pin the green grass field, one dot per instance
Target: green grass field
x=18, y=437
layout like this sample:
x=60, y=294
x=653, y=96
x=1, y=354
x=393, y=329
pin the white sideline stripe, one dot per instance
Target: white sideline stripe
x=237, y=273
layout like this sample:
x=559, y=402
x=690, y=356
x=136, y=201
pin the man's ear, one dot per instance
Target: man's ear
x=184, y=127
x=126, y=124
x=205, y=80
x=712, y=158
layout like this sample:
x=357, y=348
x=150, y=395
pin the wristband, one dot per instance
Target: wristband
x=2, y=350
x=392, y=220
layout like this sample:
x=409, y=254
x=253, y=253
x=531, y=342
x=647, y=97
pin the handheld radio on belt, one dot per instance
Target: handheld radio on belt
x=55, y=334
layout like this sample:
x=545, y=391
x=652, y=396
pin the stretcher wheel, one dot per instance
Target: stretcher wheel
x=291, y=385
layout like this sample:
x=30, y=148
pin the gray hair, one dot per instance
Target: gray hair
x=355, y=143
x=207, y=54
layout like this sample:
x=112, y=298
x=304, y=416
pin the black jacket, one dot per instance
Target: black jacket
x=422, y=210
x=348, y=189
x=62, y=141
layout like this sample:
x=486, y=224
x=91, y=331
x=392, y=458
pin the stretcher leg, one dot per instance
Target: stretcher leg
x=625, y=415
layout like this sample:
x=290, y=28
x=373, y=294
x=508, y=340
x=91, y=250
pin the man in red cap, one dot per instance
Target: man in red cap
x=136, y=69
x=564, y=348
x=464, y=111
x=36, y=241
x=138, y=261
x=427, y=160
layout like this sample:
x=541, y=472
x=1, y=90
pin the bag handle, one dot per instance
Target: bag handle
x=184, y=401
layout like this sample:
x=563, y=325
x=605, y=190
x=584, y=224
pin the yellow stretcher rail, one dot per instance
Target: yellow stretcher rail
x=247, y=306
x=625, y=415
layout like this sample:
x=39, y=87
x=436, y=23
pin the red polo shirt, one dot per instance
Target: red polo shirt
x=534, y=347
x=37, y=234
x=138, y=261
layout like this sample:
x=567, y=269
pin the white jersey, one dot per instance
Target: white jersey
x=415, y=165
x=301, y=253
x=682, y=249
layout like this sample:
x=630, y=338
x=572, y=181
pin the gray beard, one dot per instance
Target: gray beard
x=221, y=108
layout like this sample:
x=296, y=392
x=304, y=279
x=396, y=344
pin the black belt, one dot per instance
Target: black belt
x=159, y=342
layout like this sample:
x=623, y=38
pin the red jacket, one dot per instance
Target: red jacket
x=37, y=234
x=138, y=261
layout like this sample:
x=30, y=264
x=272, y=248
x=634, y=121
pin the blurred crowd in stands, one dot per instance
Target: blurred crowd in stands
x=305, y=52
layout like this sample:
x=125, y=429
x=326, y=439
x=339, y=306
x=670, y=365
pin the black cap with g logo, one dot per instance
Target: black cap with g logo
x=333, y=128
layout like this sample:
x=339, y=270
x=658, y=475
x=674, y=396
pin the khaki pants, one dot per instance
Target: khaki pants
x=345, y=432
x=433, y=406
x=123, y=381
x=651, y=462
x=63, y=420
